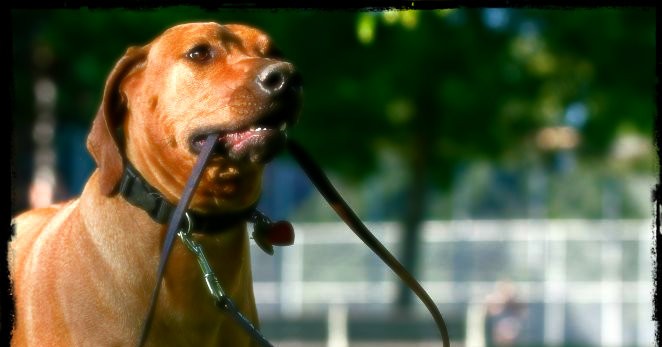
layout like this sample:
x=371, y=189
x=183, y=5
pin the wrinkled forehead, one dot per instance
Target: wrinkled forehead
x=184, y=36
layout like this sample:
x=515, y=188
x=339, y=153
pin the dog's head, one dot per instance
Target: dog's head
x=192, y=80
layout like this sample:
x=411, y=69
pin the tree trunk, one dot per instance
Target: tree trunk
x=414, y=214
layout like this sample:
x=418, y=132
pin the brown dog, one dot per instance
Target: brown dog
x=82, y=271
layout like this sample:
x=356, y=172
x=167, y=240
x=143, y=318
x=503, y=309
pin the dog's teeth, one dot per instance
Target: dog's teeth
x=258, y=129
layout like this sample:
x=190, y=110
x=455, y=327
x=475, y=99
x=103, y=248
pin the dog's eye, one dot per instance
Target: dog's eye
x=200, y=53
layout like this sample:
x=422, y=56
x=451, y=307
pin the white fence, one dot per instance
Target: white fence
x=578, y=281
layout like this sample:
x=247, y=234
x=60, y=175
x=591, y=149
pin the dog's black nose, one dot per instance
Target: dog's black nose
x=278, y=78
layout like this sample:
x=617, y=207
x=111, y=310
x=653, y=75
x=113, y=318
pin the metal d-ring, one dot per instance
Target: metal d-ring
x=189, y=224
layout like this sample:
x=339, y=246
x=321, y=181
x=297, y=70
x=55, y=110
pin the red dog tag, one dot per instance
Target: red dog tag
x=267, y=235
x=280, y=233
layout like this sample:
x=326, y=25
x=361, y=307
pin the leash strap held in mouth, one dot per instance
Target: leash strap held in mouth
x=173, y=227
x=339, y=205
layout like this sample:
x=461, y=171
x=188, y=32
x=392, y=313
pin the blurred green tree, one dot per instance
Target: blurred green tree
x=437, y=88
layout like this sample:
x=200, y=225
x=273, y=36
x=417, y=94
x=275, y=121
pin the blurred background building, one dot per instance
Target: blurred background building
x=505, y=156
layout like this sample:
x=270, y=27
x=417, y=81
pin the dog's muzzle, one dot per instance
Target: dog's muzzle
x=275, y=95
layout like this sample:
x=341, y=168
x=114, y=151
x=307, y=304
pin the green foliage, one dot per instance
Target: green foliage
x=441, y=83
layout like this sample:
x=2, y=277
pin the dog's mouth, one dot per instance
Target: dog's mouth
x=266, y=116
x=258, y=143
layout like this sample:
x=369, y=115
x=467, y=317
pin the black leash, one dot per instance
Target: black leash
x=173, y=227
x=228, y=306
x=222, y=301
x=334, y=199
x=343, y=210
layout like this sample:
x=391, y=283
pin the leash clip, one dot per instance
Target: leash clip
x=213, y=285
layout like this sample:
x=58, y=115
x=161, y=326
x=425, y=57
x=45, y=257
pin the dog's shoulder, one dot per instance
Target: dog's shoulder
x=36, y=218
x=29, y=224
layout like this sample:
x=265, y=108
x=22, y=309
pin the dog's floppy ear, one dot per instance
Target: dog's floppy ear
x=103, y=142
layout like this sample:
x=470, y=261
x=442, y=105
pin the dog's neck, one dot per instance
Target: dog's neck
x=138, y=192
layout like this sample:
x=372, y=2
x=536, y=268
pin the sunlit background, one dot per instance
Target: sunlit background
x=504, y=155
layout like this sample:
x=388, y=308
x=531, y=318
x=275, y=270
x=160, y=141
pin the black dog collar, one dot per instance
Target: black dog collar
x=135, y=189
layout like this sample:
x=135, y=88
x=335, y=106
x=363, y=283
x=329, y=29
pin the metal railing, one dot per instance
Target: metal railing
x=576, y=281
